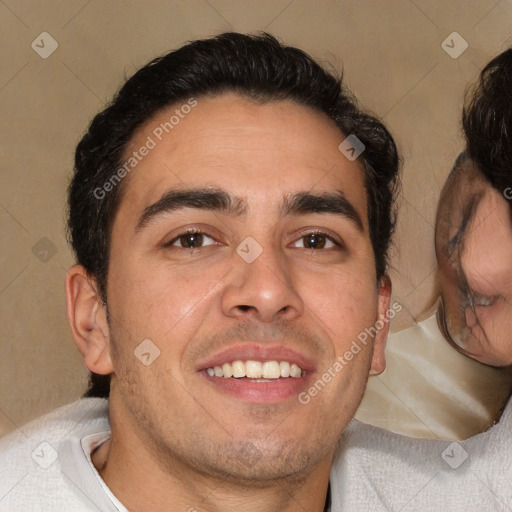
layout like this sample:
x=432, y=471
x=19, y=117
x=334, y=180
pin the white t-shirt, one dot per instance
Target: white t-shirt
x=46, y=465
x=377, y=470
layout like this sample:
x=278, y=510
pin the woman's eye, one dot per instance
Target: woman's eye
x=483, y=300
x=315, y=241
x=192, y=241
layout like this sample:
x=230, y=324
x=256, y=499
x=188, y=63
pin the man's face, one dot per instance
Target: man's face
x=477, y=279
x=282, y=270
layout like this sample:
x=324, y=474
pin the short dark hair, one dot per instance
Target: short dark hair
x=487, y=122
x=255, y=66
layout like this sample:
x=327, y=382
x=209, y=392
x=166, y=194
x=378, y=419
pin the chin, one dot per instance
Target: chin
x=260, y=462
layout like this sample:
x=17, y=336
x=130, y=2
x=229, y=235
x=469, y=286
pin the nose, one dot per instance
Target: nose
x=262, y=289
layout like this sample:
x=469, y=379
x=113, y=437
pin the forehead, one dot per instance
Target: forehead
x=458, y=203
x=261, y=152
x=489, y=239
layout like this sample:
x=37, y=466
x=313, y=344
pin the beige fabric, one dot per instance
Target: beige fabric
x=431, y=390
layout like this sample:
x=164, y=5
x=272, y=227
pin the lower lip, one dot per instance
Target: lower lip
x=260, y=392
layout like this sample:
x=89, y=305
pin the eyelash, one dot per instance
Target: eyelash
x=338, y=244
x=185, y=233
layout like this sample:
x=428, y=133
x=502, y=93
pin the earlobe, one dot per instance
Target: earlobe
x=378, y=364
x=88, y=320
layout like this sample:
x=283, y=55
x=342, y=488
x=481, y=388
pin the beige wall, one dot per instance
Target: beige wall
x=393, y=60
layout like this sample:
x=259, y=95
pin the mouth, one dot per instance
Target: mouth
x=258, y=374
x=261, y=371
x=484, y=301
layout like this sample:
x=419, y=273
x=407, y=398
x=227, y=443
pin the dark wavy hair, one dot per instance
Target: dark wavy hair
x=255, y=66
x=487, y=122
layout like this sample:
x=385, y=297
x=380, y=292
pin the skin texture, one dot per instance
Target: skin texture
x=177, y=437
x=474, y=244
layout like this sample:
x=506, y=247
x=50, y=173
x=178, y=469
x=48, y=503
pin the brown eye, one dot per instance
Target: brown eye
x=315, y=241
x=192, y=240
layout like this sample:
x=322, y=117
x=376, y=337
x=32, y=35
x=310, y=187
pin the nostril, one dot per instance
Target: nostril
x=245, y=308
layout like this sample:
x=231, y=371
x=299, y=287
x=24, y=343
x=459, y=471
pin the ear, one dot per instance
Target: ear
x=88, y=320
x=379, y=343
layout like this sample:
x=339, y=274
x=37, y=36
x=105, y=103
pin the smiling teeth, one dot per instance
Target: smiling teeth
x=271, y=370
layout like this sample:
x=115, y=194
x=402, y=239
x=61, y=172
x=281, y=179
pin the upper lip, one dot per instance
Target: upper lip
x=257, y=352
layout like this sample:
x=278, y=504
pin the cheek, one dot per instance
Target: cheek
x=503, y=328
x=497, y=322
x=165, y=305
x=343, y=302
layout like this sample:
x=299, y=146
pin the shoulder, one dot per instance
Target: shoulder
x=30, y=457
x=391, y=471
x=379, y=443
x=75, y=417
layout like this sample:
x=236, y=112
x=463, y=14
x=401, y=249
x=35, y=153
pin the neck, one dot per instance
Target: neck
x=143, y=482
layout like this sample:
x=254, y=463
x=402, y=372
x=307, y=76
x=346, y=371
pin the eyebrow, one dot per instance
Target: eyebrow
x=200, y=199
x=334, y=202
x=219, y=200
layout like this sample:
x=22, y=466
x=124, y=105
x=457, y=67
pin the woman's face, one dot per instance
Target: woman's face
x=474, y=246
